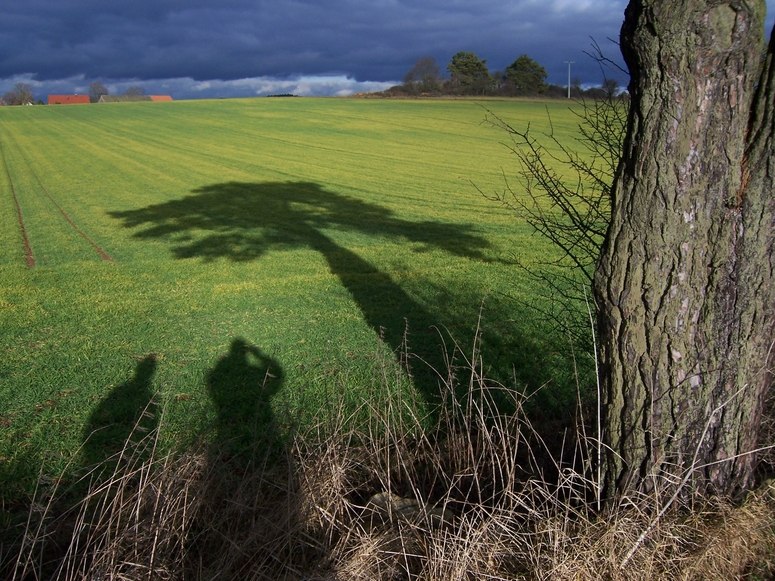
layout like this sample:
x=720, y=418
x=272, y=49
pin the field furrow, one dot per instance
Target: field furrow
x=15, y=208
x=51, y=231
x=101, y=252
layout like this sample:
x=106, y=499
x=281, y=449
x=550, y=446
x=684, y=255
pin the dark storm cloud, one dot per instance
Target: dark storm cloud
x=191, y=41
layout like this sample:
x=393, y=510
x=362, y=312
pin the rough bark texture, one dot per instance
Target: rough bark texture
x=685, y=285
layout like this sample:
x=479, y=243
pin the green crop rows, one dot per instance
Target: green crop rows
x=182, y=250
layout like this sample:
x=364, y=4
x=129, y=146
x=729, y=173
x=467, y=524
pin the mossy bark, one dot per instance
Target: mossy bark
x=684, y=285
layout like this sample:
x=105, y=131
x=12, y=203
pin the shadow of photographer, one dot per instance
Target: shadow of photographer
x=241, y=386
x=235, y=505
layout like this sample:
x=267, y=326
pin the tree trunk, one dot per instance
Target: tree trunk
x=684, y=285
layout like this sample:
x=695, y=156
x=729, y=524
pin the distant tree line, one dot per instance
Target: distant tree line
x=469, y=75
x=21, y=94
x=97, y=90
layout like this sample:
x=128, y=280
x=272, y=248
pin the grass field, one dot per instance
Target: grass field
x=238, y=261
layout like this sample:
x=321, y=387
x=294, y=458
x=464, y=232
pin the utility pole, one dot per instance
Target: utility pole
x=569, y=63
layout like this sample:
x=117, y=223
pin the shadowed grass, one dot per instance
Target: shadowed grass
x=393, y=499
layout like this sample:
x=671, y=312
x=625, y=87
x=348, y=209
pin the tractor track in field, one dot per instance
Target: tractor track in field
x=29, y=256
x=101, y=252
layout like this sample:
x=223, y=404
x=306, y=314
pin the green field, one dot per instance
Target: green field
x=182, y=251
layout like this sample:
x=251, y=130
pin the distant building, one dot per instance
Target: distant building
x=68, y=99
x=133, y=98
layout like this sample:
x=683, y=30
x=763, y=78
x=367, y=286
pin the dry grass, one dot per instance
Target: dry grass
x=477, y=496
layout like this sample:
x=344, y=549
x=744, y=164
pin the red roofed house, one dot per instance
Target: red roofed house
x=161, y=98
x=68, y=99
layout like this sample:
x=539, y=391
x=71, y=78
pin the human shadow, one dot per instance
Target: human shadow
x=118, y=438
x=241, y=386
x=119, y=427
x=236, y=481
x=243, y=221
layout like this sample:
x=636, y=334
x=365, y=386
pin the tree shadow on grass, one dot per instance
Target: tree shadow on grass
x=243, y=221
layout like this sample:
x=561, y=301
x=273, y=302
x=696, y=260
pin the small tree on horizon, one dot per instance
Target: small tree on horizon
x=526, y=77
x=97, y=90
x=424, y=76
x=469, y=74
x=21, y=94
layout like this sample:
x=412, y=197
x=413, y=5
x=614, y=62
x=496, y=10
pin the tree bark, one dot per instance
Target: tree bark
x=684, y=285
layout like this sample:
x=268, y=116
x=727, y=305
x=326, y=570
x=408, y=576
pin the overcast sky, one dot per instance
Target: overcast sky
x=223, y=48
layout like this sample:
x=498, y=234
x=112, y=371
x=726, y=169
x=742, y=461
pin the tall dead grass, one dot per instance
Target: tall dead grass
x=476, y=494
